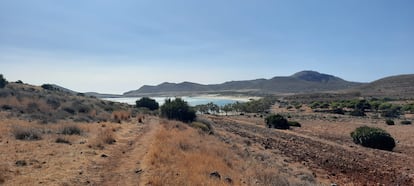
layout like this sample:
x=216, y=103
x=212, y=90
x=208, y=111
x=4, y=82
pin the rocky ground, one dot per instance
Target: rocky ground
x=335, y=159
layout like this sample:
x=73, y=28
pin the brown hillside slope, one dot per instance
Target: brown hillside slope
x=401, y=86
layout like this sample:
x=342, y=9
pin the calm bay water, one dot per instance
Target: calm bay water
x=192, y=101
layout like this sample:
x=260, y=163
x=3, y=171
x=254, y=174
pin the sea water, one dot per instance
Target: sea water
x=192, y=101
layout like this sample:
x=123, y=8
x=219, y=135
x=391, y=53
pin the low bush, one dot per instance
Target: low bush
x=357, y=112
x=393, y=112
x=29, y=134
x=277, y=121
x=390, y=122
x=71, y=130
x=294, y=124
x=373, y=138
x=69, y=110
x=6, y=107
x=53, y=102
x=405, y=122
x=62, y=140
x=338, y=111
x=207, y=122
x=201, y=126
x=106, y=136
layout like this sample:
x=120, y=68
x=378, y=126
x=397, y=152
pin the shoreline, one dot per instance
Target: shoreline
x=218, y=96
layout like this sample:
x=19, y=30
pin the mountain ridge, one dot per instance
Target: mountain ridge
x=301, y=82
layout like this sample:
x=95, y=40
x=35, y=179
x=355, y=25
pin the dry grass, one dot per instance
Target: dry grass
x=23, y=133
x=105, y=137
x=48, y=162
x=181, y=155
x=121, y=115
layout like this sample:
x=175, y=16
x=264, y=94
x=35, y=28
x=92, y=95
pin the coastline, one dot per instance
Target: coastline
x=227, y=97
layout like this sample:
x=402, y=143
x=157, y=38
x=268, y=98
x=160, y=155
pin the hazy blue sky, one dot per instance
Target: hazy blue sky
x=116, y=46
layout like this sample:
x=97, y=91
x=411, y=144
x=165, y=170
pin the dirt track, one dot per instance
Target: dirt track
x=124, y=163
x=340, y=163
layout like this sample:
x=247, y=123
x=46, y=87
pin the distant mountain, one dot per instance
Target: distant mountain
x=401, y=86
x=301, y=82
x=94, y=94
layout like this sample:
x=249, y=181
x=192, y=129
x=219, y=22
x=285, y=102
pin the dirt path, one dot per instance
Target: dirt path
x=340, y=163
x=122, y=164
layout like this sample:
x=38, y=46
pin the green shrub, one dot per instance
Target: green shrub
x=357, y=112
x=147, y=103
x=373, y=138
x=71, y=130
x=177, y=109
x=62, y=140
x=29, y=134
x=405, y=122
x=393, y=112
x=389, y=122
x=277, y=121
x=3, y=82
x=338, y=111
x=294, y=124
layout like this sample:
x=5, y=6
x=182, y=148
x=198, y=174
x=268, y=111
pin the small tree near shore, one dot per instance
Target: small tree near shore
x=3, y=82
x=178, y=109
x=147, y=102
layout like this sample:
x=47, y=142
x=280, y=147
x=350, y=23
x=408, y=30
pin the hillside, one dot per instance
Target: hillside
x=51, y=103
x=401, y=86
x=301, y=82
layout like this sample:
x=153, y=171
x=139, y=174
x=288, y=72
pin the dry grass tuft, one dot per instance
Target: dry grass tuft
x=121, y=115
x=71, y=130
x=268, y=177
x=62, y=140
x=29, y=134
x=106, y=136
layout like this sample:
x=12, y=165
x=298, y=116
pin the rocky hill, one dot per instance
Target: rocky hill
x=301, y=82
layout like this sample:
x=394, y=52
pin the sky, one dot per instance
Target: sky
x=113, y=46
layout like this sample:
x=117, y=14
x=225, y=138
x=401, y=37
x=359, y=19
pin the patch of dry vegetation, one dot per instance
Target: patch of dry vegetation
x=181, y=155
x=53, y=159
x=104, y=137
x=120, y=115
